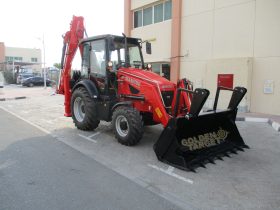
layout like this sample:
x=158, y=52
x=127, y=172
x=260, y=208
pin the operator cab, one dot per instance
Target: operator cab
x=125, y=52
x=101, y=52
x=104, y=55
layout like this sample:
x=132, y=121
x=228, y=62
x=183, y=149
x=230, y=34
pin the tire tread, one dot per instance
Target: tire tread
x=135, y=124
x=90, y=123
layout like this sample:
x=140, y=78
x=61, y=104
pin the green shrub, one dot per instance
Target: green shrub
x=8, y=76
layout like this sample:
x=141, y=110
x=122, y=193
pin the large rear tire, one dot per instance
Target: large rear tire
x=83, y=109
x=127, y=125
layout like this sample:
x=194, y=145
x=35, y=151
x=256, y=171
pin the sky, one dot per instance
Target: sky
x=24, y=23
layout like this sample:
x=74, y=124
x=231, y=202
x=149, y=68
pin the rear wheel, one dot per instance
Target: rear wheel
x=30, y=84
x=83, y=109
x=127, y=125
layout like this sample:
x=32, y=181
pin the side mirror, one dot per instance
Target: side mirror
x=148, y=48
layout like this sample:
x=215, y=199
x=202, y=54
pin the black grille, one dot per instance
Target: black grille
x=167, y=97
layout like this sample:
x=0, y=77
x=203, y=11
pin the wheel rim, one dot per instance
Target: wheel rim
x=122, y=126
x=79, y=109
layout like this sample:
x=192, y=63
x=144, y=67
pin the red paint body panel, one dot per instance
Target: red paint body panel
x=71, y=39
x=150, y=86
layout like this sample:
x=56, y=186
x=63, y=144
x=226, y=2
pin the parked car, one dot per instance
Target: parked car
x=23, y=77
x=36, y=81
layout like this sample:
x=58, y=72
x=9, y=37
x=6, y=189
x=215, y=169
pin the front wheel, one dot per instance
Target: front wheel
x=127, y=125
x=83, y=109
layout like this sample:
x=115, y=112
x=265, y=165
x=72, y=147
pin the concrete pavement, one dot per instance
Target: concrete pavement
x=39, y=172
x=14, y=92
x=249, y=180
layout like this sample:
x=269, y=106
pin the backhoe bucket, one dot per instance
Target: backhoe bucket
x=191, y=142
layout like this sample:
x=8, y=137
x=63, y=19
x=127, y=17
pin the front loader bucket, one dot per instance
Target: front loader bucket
x=188, y=143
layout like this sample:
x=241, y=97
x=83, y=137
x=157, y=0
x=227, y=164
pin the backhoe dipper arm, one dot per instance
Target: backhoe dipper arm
x=70, y=46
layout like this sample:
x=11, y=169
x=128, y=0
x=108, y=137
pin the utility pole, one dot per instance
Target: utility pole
x=44, y=66
x=44, y=60
x=13, y=69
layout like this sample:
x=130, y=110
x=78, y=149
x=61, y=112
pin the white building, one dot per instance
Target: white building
x=24, y=58
x=234, y=42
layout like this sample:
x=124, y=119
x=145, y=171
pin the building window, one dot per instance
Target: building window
x=147, y=16
x=156, y=68
x=158, y=13
x=153, y=14
x=17, y=58
x=163, y=69
x=10, y=58
x=34, y=60
x=167, y=10
x=137, y=19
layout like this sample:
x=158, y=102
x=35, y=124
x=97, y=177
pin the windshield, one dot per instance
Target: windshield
x=117, y=54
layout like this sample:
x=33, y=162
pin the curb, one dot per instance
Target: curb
x=15, y=98
x=273, y=124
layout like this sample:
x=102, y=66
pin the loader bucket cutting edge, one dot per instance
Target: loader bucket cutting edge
x=191, y=143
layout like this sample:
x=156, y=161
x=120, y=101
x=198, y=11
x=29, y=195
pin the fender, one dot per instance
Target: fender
x=123, y=103
x=89, y=86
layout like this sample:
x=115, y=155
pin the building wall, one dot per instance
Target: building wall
x=135, y=4
x=26, y=55
x=239, y=37
x=160, y=34
x=266, y=56
x=218, y=33
x=241, y=68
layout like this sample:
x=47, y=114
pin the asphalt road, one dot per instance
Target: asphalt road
x=39, y=172
x=247, y=181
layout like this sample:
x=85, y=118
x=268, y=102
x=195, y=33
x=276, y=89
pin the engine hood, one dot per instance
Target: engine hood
x=150, y=76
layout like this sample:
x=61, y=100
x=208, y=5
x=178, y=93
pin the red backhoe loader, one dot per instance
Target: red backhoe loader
x=115, y=85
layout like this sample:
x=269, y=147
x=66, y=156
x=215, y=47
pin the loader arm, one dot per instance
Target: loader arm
x=71, y=41
x=185, y=99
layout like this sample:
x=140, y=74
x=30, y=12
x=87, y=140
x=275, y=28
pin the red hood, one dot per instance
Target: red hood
x=150, y=76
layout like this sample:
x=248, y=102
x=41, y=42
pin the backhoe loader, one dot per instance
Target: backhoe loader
x=114, y=84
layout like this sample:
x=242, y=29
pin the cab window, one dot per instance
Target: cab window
x=98, y=58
